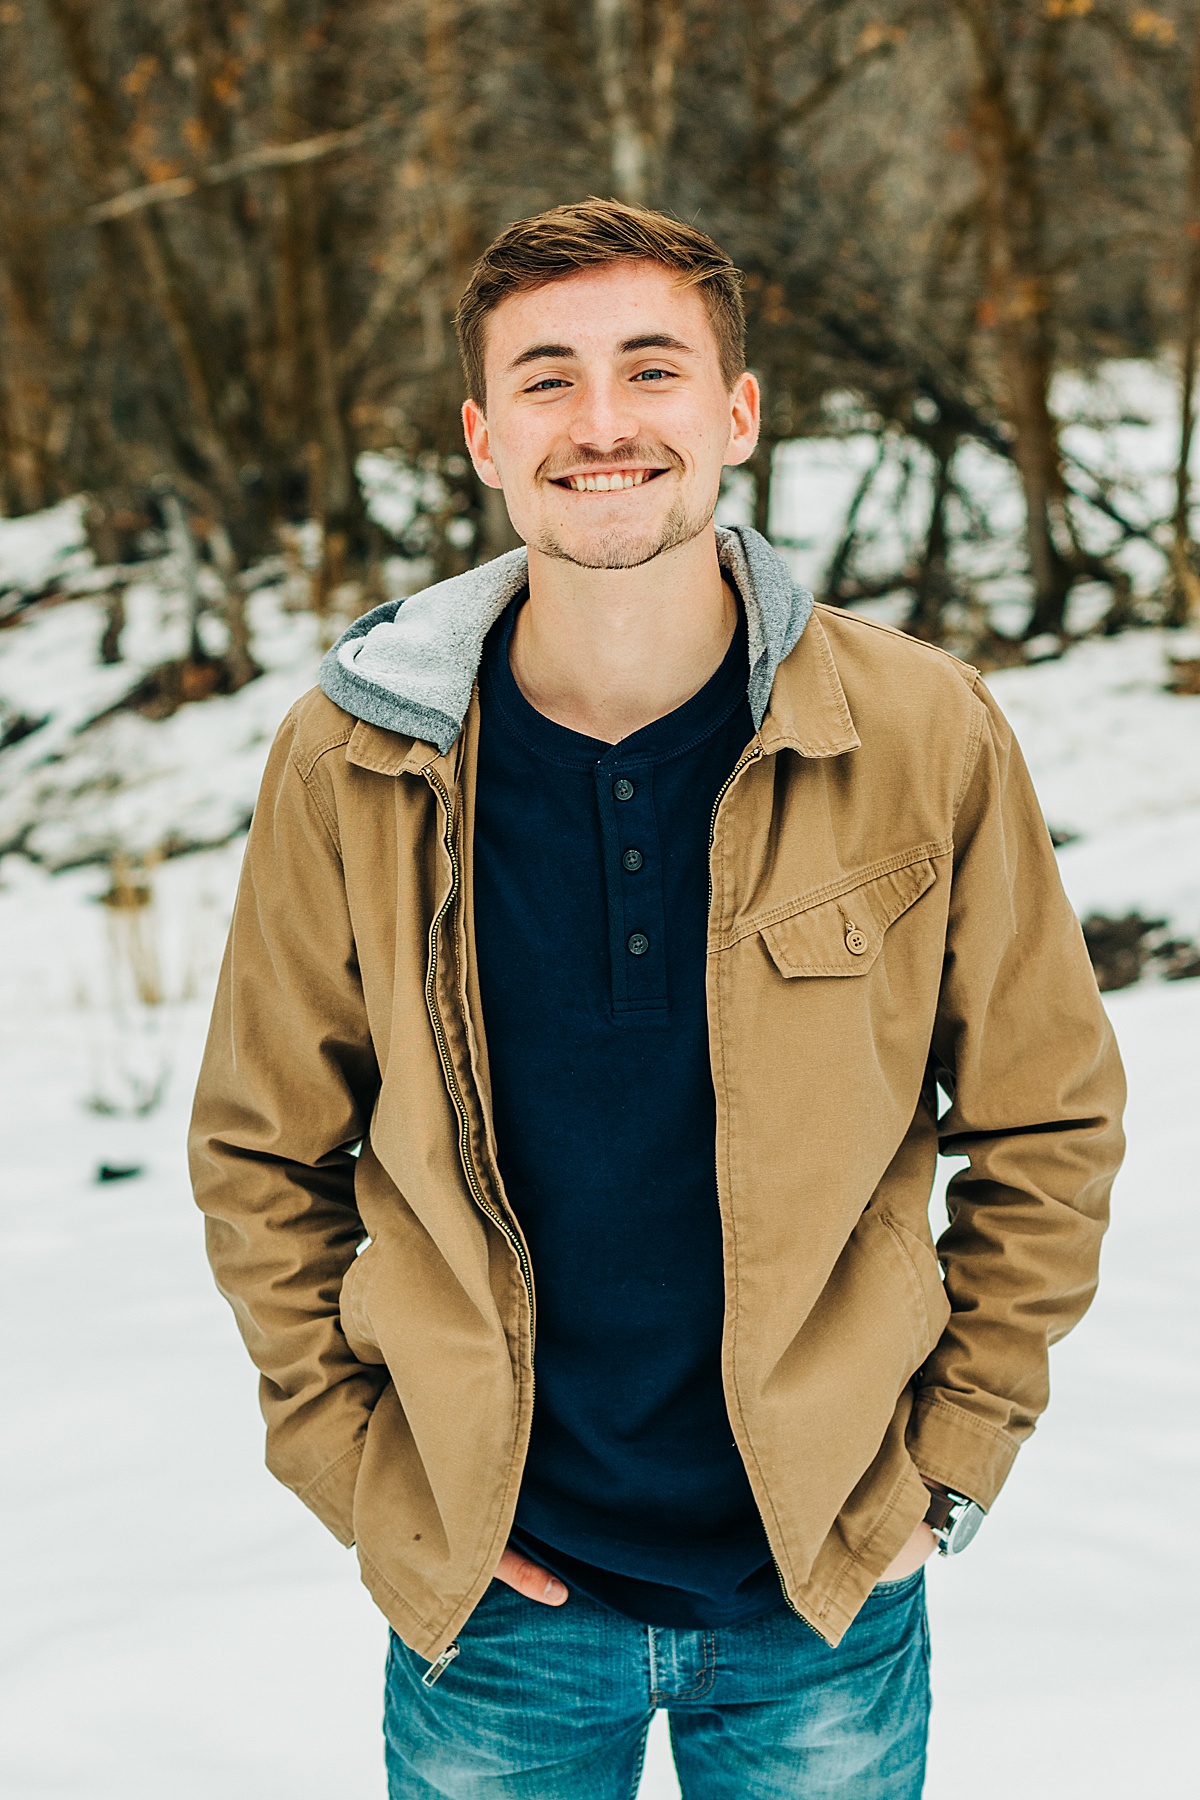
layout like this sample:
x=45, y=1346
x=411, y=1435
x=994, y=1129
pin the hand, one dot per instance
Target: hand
x=919, y=1548
x=530, y=1579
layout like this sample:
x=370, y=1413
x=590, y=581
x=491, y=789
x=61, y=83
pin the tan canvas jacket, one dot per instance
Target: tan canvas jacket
x=886, y=915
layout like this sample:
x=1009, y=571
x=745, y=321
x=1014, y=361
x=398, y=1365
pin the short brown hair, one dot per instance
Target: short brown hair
x=590, y=233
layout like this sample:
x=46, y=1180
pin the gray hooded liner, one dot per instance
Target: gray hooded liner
x=410, y=665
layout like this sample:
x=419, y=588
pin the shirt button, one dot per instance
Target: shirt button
x=622, y=788
x=638, y=944
x=856, y=940
x=632, y=860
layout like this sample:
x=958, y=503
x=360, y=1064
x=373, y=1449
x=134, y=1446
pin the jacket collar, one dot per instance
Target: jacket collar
x=385, y=753
x=809, y=712
x=410, y=666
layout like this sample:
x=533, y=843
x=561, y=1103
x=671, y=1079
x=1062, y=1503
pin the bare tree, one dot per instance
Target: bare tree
x=231, y=241
x=1185, y=582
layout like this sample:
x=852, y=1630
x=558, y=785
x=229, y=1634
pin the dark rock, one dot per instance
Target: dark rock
x=1123, y=950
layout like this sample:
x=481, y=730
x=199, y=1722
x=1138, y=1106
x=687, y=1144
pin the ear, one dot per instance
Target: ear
x=745, y=406
x=475, y=430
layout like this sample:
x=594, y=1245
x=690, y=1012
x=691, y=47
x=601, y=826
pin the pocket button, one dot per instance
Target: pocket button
x=856, y=941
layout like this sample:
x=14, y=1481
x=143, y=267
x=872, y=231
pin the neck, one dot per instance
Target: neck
x=607, y=651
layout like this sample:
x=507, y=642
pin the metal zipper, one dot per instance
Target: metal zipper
x=751, y=755
x=437, y=1669
x=787, y=1598
x=460, y=1106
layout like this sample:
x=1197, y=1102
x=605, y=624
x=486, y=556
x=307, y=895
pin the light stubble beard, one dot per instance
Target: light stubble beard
x=618, y=549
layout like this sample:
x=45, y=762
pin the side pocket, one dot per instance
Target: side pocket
x=922, y=1262
x=356, y=1320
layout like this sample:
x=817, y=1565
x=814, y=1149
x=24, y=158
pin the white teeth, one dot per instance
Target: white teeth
x=606, y=484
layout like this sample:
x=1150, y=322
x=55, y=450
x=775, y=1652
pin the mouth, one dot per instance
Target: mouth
x=607, y=481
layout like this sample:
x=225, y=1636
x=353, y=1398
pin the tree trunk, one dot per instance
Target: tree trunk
x=664, y=68
x=1019, y=309
x=114, y=624
x=104, y=129
x=26, y=396
x=932, y=588
x=452, y=240
x=201, y=425
x=179, y=535
x=762, y=467
x=1185, y=583
x=238, y=659
x=33, y=428
x=617, y=58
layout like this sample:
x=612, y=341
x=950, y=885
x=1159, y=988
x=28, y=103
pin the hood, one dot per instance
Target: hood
x=410, y=665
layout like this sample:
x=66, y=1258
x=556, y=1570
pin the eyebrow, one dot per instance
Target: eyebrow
x=537, y=351
x=650, y=340
x=657, y=340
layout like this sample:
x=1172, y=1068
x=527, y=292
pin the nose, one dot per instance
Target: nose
x=604, y=415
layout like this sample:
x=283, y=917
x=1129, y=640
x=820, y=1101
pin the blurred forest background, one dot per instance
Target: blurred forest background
x=232, y=237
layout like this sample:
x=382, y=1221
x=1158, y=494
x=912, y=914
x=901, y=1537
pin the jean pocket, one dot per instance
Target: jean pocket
x=904, y=1585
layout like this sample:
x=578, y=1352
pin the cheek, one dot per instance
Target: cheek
x=700, y=433
x=517, y=453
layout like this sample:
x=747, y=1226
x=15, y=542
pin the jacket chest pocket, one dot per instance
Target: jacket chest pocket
x=842, y=933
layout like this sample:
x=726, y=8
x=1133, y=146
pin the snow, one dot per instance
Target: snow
x=172, y=1621
x=1109, y=744
x=92, y=780
x=1117, y=764
x=43, y=547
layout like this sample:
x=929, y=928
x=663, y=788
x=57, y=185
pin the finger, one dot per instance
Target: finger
x=530, y=1579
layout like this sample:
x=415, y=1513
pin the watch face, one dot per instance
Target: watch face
x=964, y=1523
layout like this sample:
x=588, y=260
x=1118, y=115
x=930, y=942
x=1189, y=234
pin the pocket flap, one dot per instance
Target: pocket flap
x=843, y=936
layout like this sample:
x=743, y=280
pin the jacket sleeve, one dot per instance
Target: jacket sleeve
x=286, y=1090
x=1023, y=1047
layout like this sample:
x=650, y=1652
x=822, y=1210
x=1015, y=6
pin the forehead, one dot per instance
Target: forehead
x=592, y=313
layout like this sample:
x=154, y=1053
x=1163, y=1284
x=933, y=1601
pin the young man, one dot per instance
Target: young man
x=608, y=925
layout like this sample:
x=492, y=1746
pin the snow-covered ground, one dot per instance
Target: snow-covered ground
x=91, y=779
x=174, y=1624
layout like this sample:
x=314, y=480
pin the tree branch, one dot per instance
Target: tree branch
x=828, y=85
x=253, y=162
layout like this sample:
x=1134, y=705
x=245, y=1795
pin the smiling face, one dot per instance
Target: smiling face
x=608, y=420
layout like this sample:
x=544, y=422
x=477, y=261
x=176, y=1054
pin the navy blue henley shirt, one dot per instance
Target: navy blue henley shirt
x=591, y=920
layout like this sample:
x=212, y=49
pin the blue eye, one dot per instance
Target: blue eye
x=652, y=375
x=550, y=381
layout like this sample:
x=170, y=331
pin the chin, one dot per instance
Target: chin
x=610, y=550
x=619, y=547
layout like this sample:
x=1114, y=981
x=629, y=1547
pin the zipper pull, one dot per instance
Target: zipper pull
x=438, y=1668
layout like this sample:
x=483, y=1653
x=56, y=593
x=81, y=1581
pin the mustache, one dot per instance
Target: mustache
x=639, y=455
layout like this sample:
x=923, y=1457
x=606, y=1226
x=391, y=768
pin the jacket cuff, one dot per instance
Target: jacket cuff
x=331, y=1494
x=956, y=1448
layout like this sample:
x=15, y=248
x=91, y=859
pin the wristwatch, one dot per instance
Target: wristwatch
x=953, y=1520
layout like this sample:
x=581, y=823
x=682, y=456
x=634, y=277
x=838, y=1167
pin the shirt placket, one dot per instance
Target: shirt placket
x=633, y=874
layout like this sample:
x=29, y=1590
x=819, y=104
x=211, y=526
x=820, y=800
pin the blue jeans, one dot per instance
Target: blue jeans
x=553, y=1703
